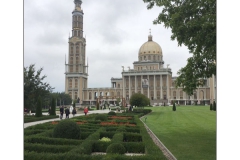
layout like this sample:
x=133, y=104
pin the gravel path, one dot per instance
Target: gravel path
x=161, y=146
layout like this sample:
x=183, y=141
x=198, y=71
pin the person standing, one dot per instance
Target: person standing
x=67, y=112
x=85, y=110
x=61, y=112
x=71, y=109
x=74, y=111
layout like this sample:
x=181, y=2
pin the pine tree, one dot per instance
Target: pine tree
x=53, y=107
x=174, y=106
x=97, y=105
x=39, y=107
x=214, y=105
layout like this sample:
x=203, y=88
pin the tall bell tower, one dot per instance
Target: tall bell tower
x=76, y=69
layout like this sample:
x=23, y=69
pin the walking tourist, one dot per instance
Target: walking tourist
x=85, y=110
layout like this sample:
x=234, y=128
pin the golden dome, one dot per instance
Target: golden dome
x=150, y=47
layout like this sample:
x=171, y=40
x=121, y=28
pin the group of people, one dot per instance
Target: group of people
x=67, y=111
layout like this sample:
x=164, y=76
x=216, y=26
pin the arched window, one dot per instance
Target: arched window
x=118, y=94
x=181, y=94
x=71, y=50
x=76, y=83
x=75, y=95
x=118, y=85
x=195, y=95
x=70, y=83
x=174, y=94
x=154, y=58
x=152, y=95
x=77, y=49
x=149, y=57
x=164, y=95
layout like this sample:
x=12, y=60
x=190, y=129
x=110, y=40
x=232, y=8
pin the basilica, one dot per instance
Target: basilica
x=148, y=76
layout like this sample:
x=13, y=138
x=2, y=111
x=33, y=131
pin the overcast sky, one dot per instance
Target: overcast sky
x=114, y=30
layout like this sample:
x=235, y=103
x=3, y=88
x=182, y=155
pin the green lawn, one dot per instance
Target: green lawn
x=189, y=133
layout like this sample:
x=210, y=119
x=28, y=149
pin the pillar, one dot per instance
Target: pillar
x=154, y=88
x=161, y=87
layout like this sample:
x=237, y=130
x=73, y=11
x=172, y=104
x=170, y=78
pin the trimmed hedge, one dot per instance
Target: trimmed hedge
x=47, y=148
x=132, y=137
x=67, y=129
x=86, y=146
x=118, y=137
x=100, y=146
x=72, y=156
x=107, y=134
x=32, y=118
x=111, y=113
x=101, y=117
x=52, y=141
x=116, y=148
x=84, y=135
x=134, y=147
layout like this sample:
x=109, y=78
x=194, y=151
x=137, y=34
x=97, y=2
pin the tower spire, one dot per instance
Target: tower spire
x=150, y=36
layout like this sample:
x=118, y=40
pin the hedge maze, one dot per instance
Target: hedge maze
x=99, y=136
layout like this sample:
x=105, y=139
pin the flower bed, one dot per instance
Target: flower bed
x=120, y=117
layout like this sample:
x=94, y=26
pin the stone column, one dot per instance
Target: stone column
x=167, y=89
x=205, y=94
x=135, y=84
x=123, y=88
x=154, y=88
x=213, y=87
x=129, y=89
x=198, y=95
x=161, y=87
x=148, y=86
x=141, y=85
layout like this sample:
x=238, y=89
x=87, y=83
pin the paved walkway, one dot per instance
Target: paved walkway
x=57, y=119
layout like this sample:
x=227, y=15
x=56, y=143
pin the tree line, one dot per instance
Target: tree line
x=36, y=91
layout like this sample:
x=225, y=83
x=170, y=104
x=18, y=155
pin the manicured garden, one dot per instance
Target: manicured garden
x=32, y=118
x=96, y=136
x=189, y=132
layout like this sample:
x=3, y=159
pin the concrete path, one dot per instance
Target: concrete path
x=64, y=116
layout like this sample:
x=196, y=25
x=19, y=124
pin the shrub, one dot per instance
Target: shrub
x=39, y=107
x=214, y=105
x=106, y=134
x=117, y=148
x=101, y=117
x=132, y=137
x=100, y=146
x=211, y=107
x=121, y=129
x=174, y=107
x=111, y=113
x=105, y=139
x=67, y=129
x=53, y=107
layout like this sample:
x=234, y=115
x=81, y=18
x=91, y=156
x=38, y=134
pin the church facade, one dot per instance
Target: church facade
x=148, y=76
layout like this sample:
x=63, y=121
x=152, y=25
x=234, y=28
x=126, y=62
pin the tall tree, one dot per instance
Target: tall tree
x=34, y=86
x=139, y=100
x=53, y=107
x=193, y=24
x=39, y=107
